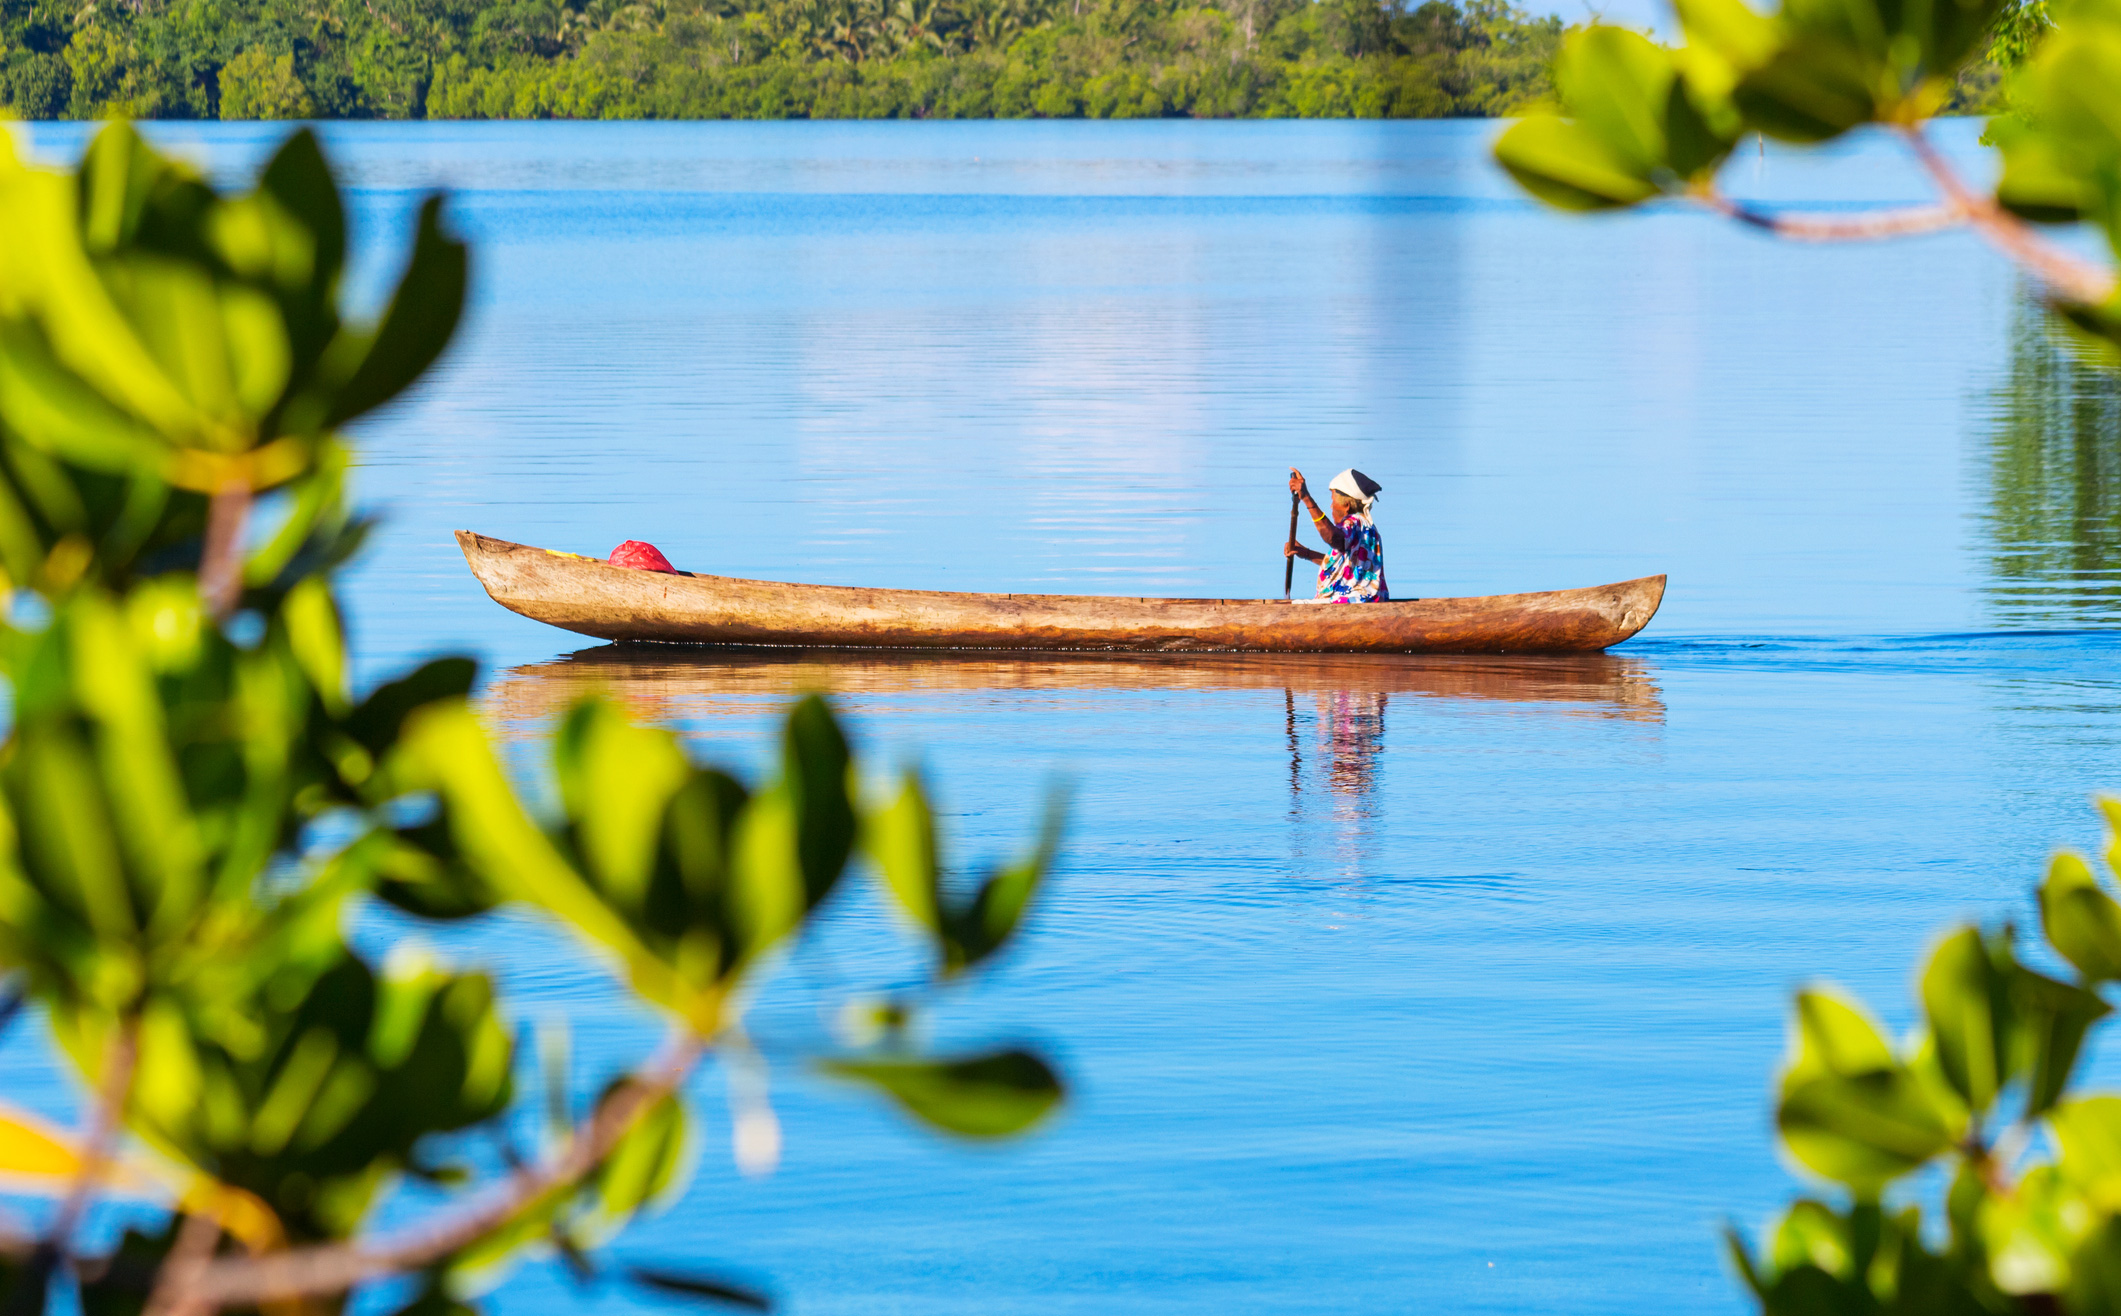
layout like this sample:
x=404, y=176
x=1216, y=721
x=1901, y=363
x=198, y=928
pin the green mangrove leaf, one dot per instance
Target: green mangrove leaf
x=2062, y=149
x=2088, y=1131
x=1811, y=1233
x=1734, y=1247
x=2038, y=182
x=994, y=913
x=2095, y=1272
x=169, y=1080
x=1863, y=1131
x=1834, y=1037
x=421, y=871
x=308, y=247
x=1738, y=35
x=698, y=1286
x=422, y=318
x=258, y=361
x=1811, y=90
x=1563, y=164
x=58, y=412
x=765, y=901
x=405, y=991
x=46, y=261
x=815, y=768
x=133, y=196
x=1697, y=139
x=68, y=835
x=1967, y=996
x=688, y=903
x=1950, y=31
x=1850, y=1110
x=616, y=780
x=339, y=1077
x=317, y=641
x=1616, y=84
x=2053, y=1018
x=987, y=1096
x=900, y=840
x=379, y=720
x=444, y=750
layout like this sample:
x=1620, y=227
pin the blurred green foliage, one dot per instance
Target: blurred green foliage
x=1635, y=122
x=194, y=803
x=2022, y=1208
x=2018, y=31
x=614, y=59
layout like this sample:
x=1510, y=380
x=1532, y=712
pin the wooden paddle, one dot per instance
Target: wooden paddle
x=1288, y=563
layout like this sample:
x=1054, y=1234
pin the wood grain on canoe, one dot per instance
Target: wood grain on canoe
x=592, y=597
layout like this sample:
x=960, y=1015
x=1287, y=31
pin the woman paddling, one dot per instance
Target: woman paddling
x=1354, y=572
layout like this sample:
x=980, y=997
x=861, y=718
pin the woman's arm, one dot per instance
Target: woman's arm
x=1294, y=549
x=1320, y=522
x=1323, y=524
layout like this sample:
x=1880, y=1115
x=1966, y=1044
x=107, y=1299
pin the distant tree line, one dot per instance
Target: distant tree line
x=409, y=59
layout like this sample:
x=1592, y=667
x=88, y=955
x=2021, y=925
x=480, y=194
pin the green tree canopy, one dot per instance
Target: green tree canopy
x=238, y=59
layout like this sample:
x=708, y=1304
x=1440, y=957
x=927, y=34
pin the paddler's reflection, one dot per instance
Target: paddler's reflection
x=1346, y=733
x=1351, y=728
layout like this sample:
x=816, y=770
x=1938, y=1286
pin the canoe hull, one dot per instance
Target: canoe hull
x=592, y=597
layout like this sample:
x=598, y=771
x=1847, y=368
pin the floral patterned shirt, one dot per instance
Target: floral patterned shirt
x=1356, y=573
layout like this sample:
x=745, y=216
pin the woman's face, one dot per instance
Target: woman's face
x=1342, y=505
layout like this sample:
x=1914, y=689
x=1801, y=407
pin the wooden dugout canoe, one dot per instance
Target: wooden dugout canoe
x=592, y=597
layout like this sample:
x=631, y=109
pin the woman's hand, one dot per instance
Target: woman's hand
x=1296, y=484
x=1290, y=549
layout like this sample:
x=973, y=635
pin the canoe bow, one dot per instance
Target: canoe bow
x=591, y=597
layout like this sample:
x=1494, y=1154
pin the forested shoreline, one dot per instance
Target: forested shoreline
x=625, y=59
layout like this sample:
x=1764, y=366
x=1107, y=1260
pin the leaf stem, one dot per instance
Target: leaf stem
x=187, y=1260
x=1903, y=222
x=2068, y=277
x=221, y=564
x=120, y=1059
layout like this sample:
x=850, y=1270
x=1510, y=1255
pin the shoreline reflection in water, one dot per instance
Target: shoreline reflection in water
x=2053, y=484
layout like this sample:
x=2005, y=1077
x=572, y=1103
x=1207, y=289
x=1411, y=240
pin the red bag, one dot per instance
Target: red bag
x=641, y=557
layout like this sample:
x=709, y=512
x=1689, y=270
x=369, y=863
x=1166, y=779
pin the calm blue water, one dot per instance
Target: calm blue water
x=1425, y=986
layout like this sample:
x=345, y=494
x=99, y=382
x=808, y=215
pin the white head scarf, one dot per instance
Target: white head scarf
x=1358, y=487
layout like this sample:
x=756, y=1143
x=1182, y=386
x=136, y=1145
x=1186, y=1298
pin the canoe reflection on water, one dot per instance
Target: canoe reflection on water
x=668, y=684
x=1332, y=706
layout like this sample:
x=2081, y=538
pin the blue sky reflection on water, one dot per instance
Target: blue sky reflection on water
x=1436, y=985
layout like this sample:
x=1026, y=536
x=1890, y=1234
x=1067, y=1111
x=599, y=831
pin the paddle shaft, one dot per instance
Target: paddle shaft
x=1288, y=564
